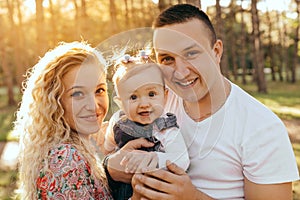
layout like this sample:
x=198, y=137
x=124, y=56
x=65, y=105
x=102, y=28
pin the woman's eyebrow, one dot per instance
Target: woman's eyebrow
x=74, y=87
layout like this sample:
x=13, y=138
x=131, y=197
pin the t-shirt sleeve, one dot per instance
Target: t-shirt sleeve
x=175, y=149
x=68, y=176
x=268, y=157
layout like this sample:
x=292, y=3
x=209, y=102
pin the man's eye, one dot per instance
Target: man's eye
x=152, y=94
x=77, y=94
x=191, y=54
x=133, y=97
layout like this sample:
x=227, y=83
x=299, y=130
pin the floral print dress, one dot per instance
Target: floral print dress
x=69, y=177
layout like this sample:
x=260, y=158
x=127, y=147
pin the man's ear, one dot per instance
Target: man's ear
x=118, y=101
x=218, y=50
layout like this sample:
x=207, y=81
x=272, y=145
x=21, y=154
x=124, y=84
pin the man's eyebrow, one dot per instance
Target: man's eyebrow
x=190, y=47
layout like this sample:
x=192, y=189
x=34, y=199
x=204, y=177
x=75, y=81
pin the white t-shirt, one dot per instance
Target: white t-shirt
x=243, y=138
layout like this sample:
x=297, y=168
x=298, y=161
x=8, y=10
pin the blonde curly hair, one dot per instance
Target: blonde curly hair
x=40, y=119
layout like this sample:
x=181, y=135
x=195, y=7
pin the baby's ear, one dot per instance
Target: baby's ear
x=117, y=100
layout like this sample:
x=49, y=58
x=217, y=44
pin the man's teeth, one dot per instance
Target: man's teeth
x=186, y=83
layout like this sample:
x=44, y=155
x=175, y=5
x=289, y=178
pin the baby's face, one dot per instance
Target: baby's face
x=142, y=96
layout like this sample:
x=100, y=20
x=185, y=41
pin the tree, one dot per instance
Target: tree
x=113, y=15
x=270, y=46
x=220, y=33
x=295, y=54
x=162, y=4
x=243, y=46
x=40, y=28
x=259, y=75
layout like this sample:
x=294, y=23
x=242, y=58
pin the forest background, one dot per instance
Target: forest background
x=261, y=41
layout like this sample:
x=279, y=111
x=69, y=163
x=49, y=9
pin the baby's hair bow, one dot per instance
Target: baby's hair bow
x=127, y=58
x=144, y=56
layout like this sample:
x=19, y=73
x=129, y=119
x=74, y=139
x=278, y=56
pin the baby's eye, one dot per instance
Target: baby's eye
x=100, y=90
x=152, y=94
x=77, y=94
x=133, y=97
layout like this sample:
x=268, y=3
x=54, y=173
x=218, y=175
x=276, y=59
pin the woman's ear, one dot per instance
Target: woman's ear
x=118, y=101
x=218, y=50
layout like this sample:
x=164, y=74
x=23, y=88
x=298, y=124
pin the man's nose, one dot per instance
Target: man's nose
x=181, y=68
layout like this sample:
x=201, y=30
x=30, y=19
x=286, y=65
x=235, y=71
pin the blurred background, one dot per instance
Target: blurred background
x=261, y=41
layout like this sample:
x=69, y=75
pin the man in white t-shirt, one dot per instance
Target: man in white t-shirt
x=238, y=148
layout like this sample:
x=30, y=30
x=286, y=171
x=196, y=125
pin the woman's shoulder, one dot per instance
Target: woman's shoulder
x=65, y=156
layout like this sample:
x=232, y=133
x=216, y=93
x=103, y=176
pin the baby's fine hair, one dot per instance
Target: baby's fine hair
x=132, y=65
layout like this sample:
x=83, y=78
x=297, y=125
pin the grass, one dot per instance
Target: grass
x=282, y=98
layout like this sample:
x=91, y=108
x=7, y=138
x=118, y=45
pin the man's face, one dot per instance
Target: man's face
x=188, y=61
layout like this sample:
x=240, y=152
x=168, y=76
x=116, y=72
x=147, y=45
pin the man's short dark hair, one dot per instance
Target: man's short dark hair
x=182, y=13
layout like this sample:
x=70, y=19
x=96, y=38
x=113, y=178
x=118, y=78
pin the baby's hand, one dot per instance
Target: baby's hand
x=137, y=161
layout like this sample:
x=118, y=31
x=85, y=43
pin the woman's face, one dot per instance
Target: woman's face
x=85, y=99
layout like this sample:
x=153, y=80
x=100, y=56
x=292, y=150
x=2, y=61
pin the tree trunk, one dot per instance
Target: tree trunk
x=270, y=47
x=53, y=21
x=221, y=35
x=243, y=47
x=127, y=21
x=113, y=16
x=282, y=46
x=15, y=39
x=295, y=57
x=286, y=53
x=162, y=4
x=196, y=3
x=260, y=76
x=40, y=28
x=8, y=78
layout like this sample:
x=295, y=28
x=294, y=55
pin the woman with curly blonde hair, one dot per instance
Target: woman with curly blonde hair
x=64, y=102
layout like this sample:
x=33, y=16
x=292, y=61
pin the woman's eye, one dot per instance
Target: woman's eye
x=77, y=94
x=166, y=60
x=133, y=97
x=152, y=94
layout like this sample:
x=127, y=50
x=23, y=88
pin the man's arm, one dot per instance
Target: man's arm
x=253, y=191
x=176, y=184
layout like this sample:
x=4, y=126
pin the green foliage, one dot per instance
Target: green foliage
x=8, y=182
x=283, y=98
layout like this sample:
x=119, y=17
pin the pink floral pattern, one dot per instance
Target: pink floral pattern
x=69, y=177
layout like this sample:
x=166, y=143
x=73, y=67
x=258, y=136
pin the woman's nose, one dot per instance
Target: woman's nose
x=91, y=103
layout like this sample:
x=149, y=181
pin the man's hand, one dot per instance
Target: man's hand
x=174, y=184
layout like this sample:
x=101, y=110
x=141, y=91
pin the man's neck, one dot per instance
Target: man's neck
x=210, y=103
